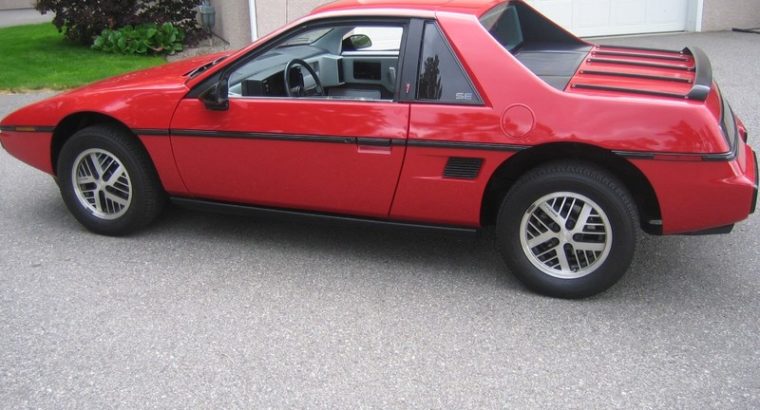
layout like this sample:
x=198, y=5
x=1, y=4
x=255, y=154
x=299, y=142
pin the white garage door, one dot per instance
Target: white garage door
x=612, y=17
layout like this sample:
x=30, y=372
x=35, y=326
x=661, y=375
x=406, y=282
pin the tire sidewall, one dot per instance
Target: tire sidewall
x=90, y=139
x=518, y=201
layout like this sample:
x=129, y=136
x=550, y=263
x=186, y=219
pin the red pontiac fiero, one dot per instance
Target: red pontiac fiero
x=446, y=113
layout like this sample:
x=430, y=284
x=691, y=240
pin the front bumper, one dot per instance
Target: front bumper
x=30, y=145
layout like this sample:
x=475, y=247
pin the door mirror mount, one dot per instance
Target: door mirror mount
x=216, y=97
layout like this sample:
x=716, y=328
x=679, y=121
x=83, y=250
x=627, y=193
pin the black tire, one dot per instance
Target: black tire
x=535, y=261
x=141, y=195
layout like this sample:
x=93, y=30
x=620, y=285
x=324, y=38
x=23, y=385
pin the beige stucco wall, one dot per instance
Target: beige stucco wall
x=16, y=4
x=726, y=14
x=299, y=8
x=232, y=22
x=272, y=14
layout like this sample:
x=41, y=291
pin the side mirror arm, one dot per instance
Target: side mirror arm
x=216, y=97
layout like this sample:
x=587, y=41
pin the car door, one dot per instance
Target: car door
x=339, y=153
x=453, y=146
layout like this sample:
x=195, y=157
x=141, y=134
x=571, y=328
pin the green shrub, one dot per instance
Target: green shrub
x=142, y=39
x=82, y=20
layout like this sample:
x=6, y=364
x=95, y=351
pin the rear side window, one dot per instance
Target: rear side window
x=441, y=77
x=504, y=25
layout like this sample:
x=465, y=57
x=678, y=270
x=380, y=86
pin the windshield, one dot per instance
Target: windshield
x=306, y=38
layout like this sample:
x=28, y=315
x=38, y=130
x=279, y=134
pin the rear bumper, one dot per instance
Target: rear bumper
x=704, y=196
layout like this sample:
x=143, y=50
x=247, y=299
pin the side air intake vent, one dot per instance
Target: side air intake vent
x=463, y=168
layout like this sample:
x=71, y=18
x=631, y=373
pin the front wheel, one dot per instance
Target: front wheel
x=568, y=230
x=108, y=182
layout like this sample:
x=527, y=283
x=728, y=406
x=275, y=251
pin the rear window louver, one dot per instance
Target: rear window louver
x=702, y=69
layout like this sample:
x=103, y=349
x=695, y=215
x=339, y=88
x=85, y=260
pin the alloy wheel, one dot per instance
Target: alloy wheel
x=566, y=235
x=102, y=183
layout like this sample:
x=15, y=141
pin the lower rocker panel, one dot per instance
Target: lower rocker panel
x=249, y=210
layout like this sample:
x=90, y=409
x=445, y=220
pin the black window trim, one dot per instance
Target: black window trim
x=226, y=71
x=412, y=48
x=478, y=101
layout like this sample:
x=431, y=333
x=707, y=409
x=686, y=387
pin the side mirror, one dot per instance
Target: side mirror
x=216, y=97
x=357, y=42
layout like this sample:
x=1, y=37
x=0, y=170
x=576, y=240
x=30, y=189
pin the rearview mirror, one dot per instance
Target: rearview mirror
x=216, y=97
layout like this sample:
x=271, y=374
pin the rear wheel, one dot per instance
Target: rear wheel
x=568, y=230
x=108, y=182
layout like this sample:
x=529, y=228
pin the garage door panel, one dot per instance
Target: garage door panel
x=560, y=11
x=615, y=17
x=666, y=11
x=629, y=13
x=591, y=14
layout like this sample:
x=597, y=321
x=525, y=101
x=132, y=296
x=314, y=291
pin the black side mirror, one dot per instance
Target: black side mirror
x=356, y=42
x=216, y=97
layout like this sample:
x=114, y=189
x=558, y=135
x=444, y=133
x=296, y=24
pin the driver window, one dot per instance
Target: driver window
x=345, y=62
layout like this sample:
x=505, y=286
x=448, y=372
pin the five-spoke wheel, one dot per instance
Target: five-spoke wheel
x=568, y=229
x=102, y=183
x=108, y=182
x=566, y=235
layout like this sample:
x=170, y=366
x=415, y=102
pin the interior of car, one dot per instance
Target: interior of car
x=354, y=62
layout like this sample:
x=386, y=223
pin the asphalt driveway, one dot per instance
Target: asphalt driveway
x=210, y=311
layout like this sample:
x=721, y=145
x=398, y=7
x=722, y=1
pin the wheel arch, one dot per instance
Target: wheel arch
x=512, y=169
x=78, y=121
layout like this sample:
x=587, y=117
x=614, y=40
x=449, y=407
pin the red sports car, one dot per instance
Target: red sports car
x=457, y=114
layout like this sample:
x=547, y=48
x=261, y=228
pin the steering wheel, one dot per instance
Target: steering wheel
x=300, y=87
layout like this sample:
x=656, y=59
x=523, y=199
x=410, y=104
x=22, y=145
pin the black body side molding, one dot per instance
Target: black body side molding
x=287, y=214
x=722, y=230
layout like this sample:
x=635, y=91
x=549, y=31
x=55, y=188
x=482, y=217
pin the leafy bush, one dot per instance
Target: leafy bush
x=181, y=13
x=83, y=20
x=142, y=39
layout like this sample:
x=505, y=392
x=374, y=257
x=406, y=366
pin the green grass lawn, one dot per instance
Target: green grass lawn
x=37, y=56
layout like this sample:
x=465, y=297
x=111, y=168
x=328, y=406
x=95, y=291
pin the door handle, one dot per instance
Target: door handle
x=373, y=145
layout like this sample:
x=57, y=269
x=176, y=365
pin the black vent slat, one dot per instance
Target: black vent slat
x=628, y=90
x=462, y=168
x=640, y=64
x=642, y=76
x=679, y=57
x=659, y=50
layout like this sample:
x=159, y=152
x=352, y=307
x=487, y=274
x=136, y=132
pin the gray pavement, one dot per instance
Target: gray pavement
x=18, y=17
x=210, y=311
